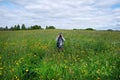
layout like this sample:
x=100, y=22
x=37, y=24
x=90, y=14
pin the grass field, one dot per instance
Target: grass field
x=32, y=55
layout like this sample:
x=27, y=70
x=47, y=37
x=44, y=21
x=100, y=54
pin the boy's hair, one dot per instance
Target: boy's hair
x=60, y=35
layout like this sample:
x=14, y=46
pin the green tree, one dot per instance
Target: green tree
x=12, y=28
x=35, y=27
x=6, y=28
x=109, y=30
x=46, y=27
x=1, y=28
x=15, y=27
x=91, y=29
x=23, y=27
x=18, y=27
x=50, y=27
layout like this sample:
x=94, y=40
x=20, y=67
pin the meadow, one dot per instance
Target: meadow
x=32, y=55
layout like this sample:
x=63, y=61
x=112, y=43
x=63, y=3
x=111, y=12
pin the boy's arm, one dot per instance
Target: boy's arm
x=56, y=38
x=63, y=38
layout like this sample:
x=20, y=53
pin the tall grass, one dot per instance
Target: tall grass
x=32, y=55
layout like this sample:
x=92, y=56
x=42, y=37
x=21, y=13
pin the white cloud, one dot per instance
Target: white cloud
x=62, y=13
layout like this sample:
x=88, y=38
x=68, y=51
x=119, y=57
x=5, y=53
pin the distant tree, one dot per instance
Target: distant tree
x=12, y=28
x=74, y=29
x=15, y=27
x=109, y=30
x=35, y=27
x=46, y=27
x=6, y=28
x=50, y=27
x=18, y=27
x=1, y=28
x=91, y=29
x=23, y=27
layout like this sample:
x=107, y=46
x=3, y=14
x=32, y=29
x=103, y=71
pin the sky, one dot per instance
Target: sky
x=63, y=14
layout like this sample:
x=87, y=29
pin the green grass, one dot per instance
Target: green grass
x=32, y=55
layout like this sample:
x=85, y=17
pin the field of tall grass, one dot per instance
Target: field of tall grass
x=32, y=55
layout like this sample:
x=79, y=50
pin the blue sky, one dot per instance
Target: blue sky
x=64, y=14
x=8, y=4
x=115, y=6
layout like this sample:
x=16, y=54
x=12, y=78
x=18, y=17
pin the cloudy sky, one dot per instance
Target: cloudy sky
x=63, y=14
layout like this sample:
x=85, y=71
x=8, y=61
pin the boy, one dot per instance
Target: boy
x=60, y=41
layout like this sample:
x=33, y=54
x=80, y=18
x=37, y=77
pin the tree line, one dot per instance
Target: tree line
x=23, y=27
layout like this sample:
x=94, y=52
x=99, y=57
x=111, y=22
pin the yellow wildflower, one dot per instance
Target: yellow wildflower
x=98, y=78
x=12, y=69
x=27, y=70
x=0, y=57
x=0, y=73
x=17, y=63
x=1, y=68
